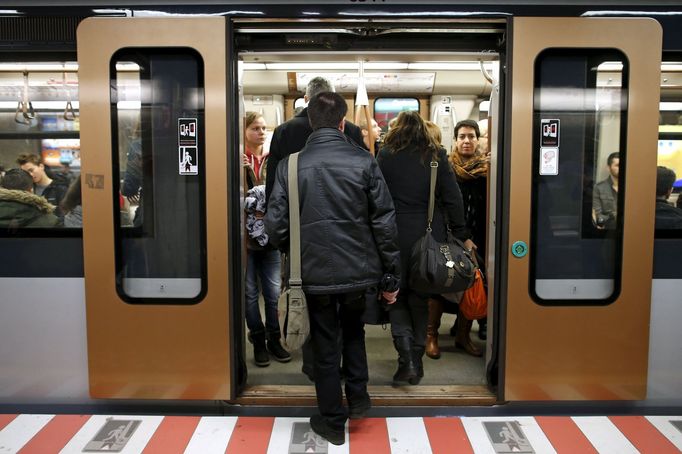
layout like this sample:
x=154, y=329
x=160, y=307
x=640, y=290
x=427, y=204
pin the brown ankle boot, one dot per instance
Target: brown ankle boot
x=463, y=339
x=435, y=312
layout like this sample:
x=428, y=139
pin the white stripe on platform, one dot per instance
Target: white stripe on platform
x=481, y=443
x=407, y=435
x=17, y=433
x=280, y=437
x=136, y=443
x=662, y=423
x=604, y=435
x=211, y=435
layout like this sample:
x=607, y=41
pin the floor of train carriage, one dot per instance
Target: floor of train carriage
x=454, y=367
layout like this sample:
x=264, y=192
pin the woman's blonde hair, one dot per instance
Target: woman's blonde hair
x=409, y=132
x=250, y=117
x=433, y=129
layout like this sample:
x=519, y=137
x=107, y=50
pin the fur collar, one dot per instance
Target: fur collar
x=27, y=198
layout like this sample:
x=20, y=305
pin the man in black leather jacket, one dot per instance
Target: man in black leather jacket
x=349, y=242
x=290, y=137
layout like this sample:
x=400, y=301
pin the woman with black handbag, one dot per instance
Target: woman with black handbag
x=405, y=161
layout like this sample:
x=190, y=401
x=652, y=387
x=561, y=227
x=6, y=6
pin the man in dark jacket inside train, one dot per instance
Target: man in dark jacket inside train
x=19, y=207
x=349, y=243
x=290, y=137
x=667, y=216
x=52, y=188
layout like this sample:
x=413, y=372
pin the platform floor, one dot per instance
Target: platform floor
x=44, y=434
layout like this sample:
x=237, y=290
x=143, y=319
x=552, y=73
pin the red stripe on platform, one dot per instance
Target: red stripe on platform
x=251, y=435
x=55, y=435
x=369, y=435
x=565, y=435
x=642, y=434
x=6, y=419
x=447, y=435
x=172, y=435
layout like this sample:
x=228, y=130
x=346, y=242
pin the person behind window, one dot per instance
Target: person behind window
x=131, y=188
x=71, y=205
x=404, y=160
x=52, y=187
x=471, y=163
x=263, y=262
x=667, y=216
x=376, y=132
x=19, y=206
x=605, y=196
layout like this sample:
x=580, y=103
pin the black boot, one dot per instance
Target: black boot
x=260, y=353
x=407, y=368
x=417, y=355
x=275, y=348
x=483, y=328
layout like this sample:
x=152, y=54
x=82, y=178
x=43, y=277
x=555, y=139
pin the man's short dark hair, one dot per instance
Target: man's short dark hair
x=316, y=86
x=665, y=178
x=326, y=110
x=17, y=179
x=611, y=157
x=26, y=158
x=468, y=124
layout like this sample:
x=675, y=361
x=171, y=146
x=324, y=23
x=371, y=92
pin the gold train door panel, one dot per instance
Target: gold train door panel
x=155, y=203
x=582, y=171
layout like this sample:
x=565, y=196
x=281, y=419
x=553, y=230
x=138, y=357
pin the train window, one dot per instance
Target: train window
x=157, y=105
x=386, y=109
x=39, y=133
x=669, y=179
x=579, y=124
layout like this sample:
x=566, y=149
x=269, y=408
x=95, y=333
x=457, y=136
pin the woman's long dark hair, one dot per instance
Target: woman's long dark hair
x=409, y=133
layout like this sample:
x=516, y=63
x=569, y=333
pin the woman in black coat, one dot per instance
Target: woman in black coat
x=405, y=163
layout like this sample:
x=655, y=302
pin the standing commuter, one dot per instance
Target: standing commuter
x=404, y=160
x=19, y=206
x=605, y=196
x=667, y=216
x=263, y=263
x=348, y=244
x=376, y=132
x=290, y=137
x=51, y=188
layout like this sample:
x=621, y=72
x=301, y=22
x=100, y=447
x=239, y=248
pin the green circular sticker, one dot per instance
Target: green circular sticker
x=519, y=249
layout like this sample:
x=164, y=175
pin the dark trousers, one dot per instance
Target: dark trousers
x=330, y=316
x=409, y=316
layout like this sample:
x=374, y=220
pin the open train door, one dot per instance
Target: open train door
x=153, y=106
x=578, y=288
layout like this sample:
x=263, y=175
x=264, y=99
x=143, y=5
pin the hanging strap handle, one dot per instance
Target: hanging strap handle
x=294, y=225
x=432, y=194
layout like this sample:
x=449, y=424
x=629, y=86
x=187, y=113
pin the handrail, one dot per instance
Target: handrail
x=69, y=113
x=25, y=112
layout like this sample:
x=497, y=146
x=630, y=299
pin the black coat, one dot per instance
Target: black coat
x=667, y=216
x=474, y=202
x=348, y=232
x=408, y=179
x=290, y=137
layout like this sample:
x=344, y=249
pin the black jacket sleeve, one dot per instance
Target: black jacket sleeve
x=277, y=214
x=449, y=197
x=274, y=157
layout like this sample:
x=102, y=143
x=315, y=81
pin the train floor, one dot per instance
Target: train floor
x=453, y=367
x=47, y=433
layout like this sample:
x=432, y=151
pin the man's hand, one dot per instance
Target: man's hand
x=390, y=297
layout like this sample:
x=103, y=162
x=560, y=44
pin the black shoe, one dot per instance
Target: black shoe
x=277, y=351
x=483, y=329
x=407, y=367
x=359, y=410
x=417, y=355
x=260, y=353
x=320, y=427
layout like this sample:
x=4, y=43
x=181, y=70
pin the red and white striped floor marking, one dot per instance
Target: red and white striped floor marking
x=482, y=444
x=604, y=436
x=18, y=432
x=662, y=423
x=565, y=435
x=447, y=435
x=135, y=445
x=251, y=435
x=407, y=435
x=212, y=435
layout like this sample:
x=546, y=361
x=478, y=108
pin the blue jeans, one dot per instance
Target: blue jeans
x=263, y=266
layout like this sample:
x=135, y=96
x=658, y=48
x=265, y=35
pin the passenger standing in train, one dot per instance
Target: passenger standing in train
x=71, y=205
x=471, y=168
x=667, y=216
x=605, y=196
x=376, y=132
x=290, y=137
x=348, y=244
x=19, y=206
x=404, y=160
x=263, y=262
x=52, y=188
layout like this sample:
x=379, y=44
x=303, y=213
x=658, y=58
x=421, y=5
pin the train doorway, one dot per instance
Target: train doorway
x=448, y=72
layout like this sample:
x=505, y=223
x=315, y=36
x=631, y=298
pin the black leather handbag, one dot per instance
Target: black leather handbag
x=440, y=267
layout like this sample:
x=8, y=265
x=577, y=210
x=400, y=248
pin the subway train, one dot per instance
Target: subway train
x=144, y=304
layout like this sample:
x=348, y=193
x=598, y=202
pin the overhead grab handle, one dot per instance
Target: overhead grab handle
x=69, y=113
x=24, y=113
x=362, y=103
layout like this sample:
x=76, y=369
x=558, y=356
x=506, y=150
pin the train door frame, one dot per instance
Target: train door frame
x=382, y=395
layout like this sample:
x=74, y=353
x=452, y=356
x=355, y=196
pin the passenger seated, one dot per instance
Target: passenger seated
x=51, y=186
x=19, y=206
x=667, y=216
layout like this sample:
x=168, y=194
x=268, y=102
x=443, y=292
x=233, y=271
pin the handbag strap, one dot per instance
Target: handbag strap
x=432, y=194
x=294, y=224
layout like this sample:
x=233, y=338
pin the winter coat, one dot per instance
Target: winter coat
x=667, y=216
x=25, y=209
x=408, y=180
x=56, y=191
x=290, y=137
x=348, y=232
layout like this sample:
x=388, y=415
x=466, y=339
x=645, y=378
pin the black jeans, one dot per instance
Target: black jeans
x=409, y=316
x=330, y=314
